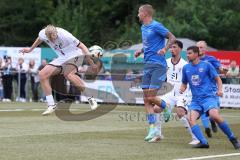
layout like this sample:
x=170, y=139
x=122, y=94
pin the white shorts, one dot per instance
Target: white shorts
x=73, y=56
x=178, y=101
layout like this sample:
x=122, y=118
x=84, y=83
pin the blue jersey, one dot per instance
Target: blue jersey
x=200, y=77
x=153, y=38
x=211, y=59
x=216, y=64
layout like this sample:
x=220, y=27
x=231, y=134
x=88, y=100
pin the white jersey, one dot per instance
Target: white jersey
x=174, y=74
x=65, y=45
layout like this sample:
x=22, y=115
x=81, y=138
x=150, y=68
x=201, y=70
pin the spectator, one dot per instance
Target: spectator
x=22, y=68
x=7, y=79
x=33, y=72
x=1, y=85
x=129, y=75
x=43, y=64
x=59, y=88
x=233, y=73
x=107, y=76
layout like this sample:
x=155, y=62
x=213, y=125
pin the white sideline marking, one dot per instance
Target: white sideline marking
x=19, y=110
x=36, y=109
x=213, y=156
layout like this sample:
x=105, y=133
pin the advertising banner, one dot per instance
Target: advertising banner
x=231, y=96
x=225, y=57
x=125, y=92
x=129, y=93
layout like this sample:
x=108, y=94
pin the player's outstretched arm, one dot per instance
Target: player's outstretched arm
x=34, y=45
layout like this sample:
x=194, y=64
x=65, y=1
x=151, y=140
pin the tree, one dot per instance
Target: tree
x=217, y=22
x=21, y=20
x=115, y=22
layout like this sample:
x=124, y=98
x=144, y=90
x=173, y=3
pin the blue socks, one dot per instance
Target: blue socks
x=223, y=126
x=226, y=129
x=198, y=133
x=151, y=118
x=205, y=120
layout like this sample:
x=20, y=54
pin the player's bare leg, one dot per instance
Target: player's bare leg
x=193, y=116
x=151, y=117
x=214, y=114
x=152, y=98
x=182, y=115
x=159, y=136
x=44, y=76
x=70, y=74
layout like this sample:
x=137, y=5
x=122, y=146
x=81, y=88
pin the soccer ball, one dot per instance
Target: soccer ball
x=96, y=51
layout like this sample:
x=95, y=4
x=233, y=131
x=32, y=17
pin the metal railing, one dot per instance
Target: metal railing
x=16, y=81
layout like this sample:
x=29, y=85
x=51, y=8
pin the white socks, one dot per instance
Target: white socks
x=158, y=123
x=50, y=100
x=188, y=127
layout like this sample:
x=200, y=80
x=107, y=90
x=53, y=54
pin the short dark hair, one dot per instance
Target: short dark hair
x=195, y=49
x=179, y=43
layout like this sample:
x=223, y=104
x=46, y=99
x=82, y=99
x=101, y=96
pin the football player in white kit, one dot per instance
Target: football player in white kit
x=70, y=53
x=174, y=98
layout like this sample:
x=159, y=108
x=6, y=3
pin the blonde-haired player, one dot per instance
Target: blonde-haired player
x=174, y=98
x=155, y=66
x=70, y=53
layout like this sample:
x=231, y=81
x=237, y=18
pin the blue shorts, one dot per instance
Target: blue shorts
x=204, y=105
x=153, y=76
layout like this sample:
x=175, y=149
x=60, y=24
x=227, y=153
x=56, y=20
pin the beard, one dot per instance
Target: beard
x=190, y=60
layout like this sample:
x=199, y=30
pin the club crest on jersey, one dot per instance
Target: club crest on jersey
x=201, y=70
x=195, y=80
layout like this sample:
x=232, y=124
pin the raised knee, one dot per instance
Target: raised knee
x=157, y=109
x=150, y=99
x=180, y=112
x=191, y=122
x=68, y=76
x=42, y=75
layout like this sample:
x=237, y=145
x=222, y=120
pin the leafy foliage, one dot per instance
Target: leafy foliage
x=217, y=22
x=106, y=21
x=21, y=20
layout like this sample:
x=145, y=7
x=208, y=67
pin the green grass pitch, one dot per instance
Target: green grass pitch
x=26, y=135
